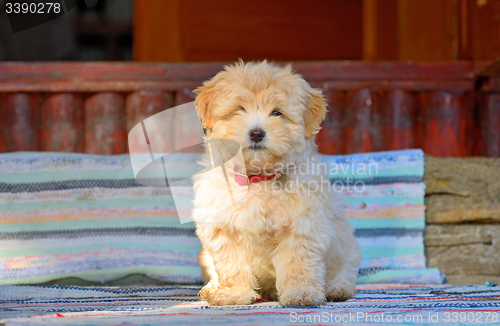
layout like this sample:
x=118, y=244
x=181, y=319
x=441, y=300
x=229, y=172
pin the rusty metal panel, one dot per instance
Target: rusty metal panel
x=389, y=122
x=488, y=125
x=185, y=95
x=446, y=124
x=363, y=126
x=105, y=124
x=61, y=128
x=144, y=104
x=19, y=122
x=330, y=138
x=399, y=114
x=183, y=122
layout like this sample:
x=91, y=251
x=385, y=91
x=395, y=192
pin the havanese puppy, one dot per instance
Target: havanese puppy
x=287, y=238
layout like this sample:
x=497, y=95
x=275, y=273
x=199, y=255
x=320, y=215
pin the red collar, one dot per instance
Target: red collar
x=245, y=180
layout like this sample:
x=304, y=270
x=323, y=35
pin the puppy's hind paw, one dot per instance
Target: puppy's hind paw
x=270, y=294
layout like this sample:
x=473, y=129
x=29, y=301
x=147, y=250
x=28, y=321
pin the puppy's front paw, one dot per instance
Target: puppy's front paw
x=340, y=291
x=208, y=290
x=223, y=296
x=302, y=297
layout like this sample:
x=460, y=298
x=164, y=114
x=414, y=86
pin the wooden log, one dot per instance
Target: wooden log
x=330, y=138
x=61, y=128
x=488, y=127
x=19, y=123
x=400, y=112
x=105, y=124
x=462, y=190
x=445, y=125
x=363, y=128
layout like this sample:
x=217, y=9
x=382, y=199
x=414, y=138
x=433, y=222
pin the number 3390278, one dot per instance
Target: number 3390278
x=33, y=8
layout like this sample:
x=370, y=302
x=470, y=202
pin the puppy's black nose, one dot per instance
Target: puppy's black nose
x=257, y=135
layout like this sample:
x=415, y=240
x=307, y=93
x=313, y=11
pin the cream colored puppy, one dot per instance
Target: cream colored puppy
x=287, y=239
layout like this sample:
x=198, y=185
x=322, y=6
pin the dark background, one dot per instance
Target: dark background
x=94, y=30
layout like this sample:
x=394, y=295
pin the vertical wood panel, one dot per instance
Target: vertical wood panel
x=380, y=30
x=464, y=30
x=330, y=138
x=484, y=21
x=363, y=130
x=157, y=31
x=105, y=124
x=427, y=30
x=19, y=123
x=488, y=128
x=61, y=128
x=400, y=112
x=446, y=124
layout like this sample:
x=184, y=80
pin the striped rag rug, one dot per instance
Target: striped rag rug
x=383, y=197
x=373, y=304
x=85, y=216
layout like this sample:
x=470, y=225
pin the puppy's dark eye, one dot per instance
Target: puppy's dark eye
x=242, y=109
x=276, y=113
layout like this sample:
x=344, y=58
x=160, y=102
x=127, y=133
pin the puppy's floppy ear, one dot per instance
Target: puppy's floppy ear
x=315, y=112
x=205, y=101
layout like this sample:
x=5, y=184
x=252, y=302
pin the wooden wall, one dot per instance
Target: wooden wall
x=431, y=30
x=294, y=30
x=225, y=30
x=409, y=30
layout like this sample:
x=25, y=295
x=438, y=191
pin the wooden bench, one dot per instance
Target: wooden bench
x=88, y=107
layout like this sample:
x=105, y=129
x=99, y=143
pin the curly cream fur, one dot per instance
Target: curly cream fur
x=294, y=246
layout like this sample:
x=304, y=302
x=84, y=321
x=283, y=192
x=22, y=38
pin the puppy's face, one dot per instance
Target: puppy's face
x=268, y=110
